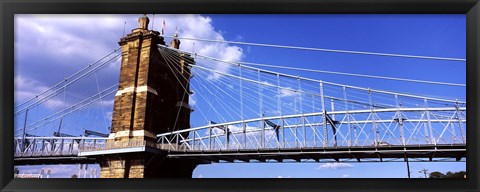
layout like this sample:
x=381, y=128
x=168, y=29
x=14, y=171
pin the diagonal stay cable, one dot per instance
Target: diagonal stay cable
x=169, y=62
x=67, y=84
x=74, y=107
x=315, y=80
x=164, y=51
x=67, y=78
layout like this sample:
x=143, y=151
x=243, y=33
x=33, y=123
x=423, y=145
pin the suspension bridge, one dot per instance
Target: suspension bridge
x=174, y=108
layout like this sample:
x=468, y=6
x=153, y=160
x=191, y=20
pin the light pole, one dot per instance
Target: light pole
x=408, y=166
x=42, y=171
x=424, y=171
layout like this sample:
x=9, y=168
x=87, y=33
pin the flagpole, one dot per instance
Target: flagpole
x=125, y=23
x=153, y=21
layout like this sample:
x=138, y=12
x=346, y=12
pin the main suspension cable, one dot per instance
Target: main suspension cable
x=324, y=50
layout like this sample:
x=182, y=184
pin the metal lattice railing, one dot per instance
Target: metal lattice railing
x=278, y=133
x=54, y=146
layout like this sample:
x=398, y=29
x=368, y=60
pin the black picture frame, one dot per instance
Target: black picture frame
x=9, y=7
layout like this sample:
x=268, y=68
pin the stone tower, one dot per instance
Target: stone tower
x=151, y=92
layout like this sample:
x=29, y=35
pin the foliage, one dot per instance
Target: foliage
x=436, y=174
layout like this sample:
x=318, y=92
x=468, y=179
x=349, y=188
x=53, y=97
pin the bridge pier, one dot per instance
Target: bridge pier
x=145, y=166
x=152, y=98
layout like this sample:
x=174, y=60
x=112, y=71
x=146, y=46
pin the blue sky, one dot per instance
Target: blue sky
x=65, y=44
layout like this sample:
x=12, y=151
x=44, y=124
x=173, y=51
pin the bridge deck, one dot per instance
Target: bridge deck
x=424, y=152
x=379, y=153
x=54, y=160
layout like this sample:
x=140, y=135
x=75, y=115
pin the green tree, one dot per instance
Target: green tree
x=74, y=176
x=436, y=174
x=459, y=174
x=449, y=174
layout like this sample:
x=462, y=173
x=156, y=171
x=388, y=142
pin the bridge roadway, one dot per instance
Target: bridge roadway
x=84, y=150
x=327, y=154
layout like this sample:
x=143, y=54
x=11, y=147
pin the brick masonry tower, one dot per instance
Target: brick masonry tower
x=152, y=98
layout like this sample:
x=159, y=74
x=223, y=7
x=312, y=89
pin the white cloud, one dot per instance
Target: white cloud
x=217, y=131
x=107, y=102
x=66, y=43
x=192, y=100
x=288, y=93
x=238, y=37
x=56, y=104
x=63, y=36
x=196, y=26
x=345, y=175
x=108, y=116
x=76, y=40
x=267, y=83
x=26, y=88
x=335, y=166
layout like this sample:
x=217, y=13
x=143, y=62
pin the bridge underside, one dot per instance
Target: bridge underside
x=329, y=154
x=54, y=160
x=332, y=154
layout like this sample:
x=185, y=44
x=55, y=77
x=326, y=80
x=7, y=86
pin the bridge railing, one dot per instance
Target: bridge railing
x=52, y=146
x=112, y=144
x=312, y=131
x=184, y=146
